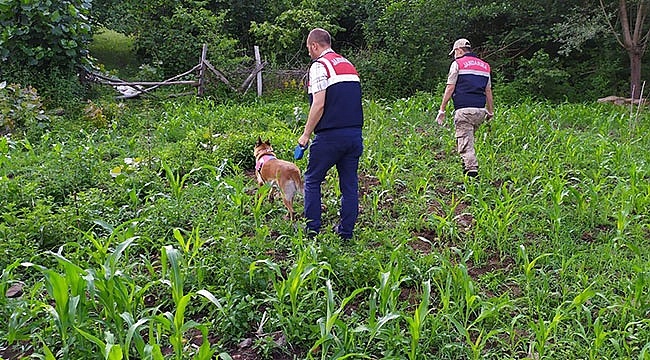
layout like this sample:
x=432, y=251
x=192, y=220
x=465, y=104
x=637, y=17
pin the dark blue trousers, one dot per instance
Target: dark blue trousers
x=341, y=148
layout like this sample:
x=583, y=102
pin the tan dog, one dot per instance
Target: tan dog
x=282, y=174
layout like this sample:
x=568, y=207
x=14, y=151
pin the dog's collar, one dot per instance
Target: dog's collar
x=266, y=152
x=262, y=159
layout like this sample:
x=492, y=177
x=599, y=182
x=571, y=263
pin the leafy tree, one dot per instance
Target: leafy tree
x=41, y=42
x=44, y=33
x=175, y=42
x=169, y=34
x=284, y=37
x=632, y=32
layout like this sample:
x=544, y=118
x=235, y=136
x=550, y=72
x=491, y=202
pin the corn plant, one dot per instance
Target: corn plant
x=557, y=192
x=375, y=325
x=18, y=313
x=497, y=215
x=190, y=245
x=386, y=172
x=118, y=296
x=297, y=282
x=67, y=290
x=417, y=321
x=391, y=279
x=377, y=198
x=171, y=260
x=445, y=223
x=545, y=329
x=261, y=196
x=384, y=300
x=176, y=181
x=529, y=266
x=332, y=322
x=110, y=350
x=6, y=280
x=236, y=193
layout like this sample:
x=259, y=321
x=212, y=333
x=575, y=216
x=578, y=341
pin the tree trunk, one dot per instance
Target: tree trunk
x=634, y=40
x=635, y=74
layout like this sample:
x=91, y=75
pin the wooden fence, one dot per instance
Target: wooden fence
x=132, y=89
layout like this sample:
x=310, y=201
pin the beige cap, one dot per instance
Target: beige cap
x=460, y=43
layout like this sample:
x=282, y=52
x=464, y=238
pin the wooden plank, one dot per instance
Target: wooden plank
x=258, y=62
x=219, y=75
x=204, y=53
x=249, y=80
x=149, y=83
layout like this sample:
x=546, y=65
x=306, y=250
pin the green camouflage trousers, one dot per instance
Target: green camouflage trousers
x=466, y=121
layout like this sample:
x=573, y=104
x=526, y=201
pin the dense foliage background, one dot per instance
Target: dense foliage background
x=557, y=50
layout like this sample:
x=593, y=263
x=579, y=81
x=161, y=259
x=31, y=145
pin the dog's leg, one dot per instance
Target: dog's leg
x=288, y=191
x=272, y=191
x=289, y=204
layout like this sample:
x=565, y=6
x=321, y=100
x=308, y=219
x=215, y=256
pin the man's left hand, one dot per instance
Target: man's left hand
x=303, y=140
x=441, y=117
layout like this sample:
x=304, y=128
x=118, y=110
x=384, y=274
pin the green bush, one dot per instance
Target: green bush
x=174, y=42
x=288, y=32
x=385, y=75
x=43, y=33
x=21, y=110
x=59, y=87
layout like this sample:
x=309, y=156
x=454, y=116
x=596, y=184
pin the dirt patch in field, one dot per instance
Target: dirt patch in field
x=421, y=242
x=411, y=295
x=591, y=235
x=494, y=263
x=16, y=351
x=366, y=183
x=278, y=255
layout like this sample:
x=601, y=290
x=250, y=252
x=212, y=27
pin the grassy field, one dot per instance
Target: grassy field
x=115, y=51
x=140, y=233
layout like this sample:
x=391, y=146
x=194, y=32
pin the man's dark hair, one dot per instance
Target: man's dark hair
x=320, y=36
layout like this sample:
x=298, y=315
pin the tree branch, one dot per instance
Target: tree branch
x=638, y=26
x=644, y=42
x=611, y=26
x=625, y=25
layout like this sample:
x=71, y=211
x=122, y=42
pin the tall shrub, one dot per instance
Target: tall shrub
x=41, y=42
x=174, y=42
x=43, y=33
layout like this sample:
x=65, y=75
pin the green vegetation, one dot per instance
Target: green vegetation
x=115, y=51
x=139, y=232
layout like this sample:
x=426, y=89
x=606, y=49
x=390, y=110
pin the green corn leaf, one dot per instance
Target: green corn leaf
x=208, y=295
x=179, y=317
x=134, y=328
x=153, y=352
x=171, y=260
x=114, y=352
x=94, y=339
x=48, y=353
x=205, y=352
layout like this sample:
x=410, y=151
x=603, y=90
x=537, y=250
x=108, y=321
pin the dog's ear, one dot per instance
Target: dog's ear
x=268, y=142
x=259, y=141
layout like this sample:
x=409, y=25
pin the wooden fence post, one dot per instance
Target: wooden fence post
x=204, y=53
x=258, y=62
